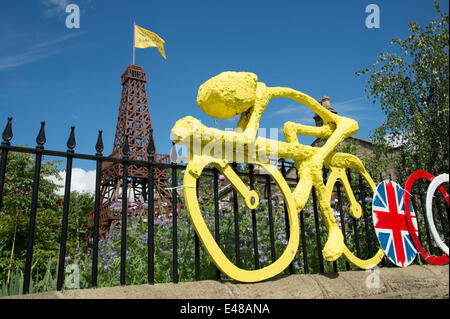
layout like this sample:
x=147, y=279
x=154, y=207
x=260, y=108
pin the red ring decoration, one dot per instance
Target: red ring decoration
x=434, y=260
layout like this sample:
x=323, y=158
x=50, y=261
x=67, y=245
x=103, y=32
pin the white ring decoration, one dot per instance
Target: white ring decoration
x=435, y=183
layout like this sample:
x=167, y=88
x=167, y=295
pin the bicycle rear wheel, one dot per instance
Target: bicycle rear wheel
x=356, y=211
x=193, y=172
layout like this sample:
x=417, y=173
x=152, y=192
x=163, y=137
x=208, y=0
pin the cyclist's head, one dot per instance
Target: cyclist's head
x=227, y=94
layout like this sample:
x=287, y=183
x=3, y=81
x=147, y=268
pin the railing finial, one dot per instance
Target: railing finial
x=40, y=139
x=126, y=147
x=173, y=153
x=151, y=146
x=7, y=132
x=99, y=145
x=71, y=143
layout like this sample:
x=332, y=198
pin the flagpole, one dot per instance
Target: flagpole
x=134, y=40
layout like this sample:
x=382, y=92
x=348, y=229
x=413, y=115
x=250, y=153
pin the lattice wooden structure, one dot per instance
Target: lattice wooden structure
x=133, y=121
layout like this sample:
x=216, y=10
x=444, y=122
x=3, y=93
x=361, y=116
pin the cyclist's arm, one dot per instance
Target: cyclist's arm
x=249, y=121
x=340, y=127
x=291, y=130
x=326, y=115
x=345, y=127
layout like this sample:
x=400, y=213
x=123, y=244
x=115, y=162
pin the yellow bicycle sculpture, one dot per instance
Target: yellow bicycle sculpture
x=232, y=93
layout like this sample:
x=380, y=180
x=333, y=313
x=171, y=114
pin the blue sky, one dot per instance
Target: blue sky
x=72, y=76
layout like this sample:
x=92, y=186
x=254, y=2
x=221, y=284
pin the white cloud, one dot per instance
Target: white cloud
x=296, y=113
x=58, y=40
x=36, y=52
x=285, y=110
x=56, y=7
x=25, y=58
x=356, y=99
x=81, y=181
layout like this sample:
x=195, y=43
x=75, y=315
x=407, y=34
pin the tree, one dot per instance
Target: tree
x=412, y=87
x=78, y=224
x=15, y=216
x=15, y=212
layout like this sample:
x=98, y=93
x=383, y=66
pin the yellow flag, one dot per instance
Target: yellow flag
x=144, y=38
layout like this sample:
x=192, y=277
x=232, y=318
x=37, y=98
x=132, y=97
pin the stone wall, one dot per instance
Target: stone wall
x=413, y=282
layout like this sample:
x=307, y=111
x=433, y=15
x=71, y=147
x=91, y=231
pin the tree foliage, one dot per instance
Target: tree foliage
x=15, y=216
x=412, y=87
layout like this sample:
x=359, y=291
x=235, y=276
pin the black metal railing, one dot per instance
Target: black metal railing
x=309, y=261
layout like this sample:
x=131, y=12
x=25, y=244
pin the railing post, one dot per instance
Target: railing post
x=441, y=218
x=197, y=242
x=286, y=214
x=364, y=212
x=236, y=223
x=270, y=210
x=216, y=214
x=34, y=198
x=424, y=212
x=62, y=250
x=341, y=215
x=325, y=178
x=99, y=155
x=6, y=136
x=255, y=234
x=316, y=222
x=355, y=226
x=174, y=222
x=123, y=227
x=151, y=212
x=302, y=232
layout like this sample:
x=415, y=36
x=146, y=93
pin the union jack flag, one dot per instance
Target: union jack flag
x=388, y=213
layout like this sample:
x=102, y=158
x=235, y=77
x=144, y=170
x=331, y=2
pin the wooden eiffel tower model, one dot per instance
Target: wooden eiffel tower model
x=134, y=122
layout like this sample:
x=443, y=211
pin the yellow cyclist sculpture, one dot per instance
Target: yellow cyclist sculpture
x=232, y=93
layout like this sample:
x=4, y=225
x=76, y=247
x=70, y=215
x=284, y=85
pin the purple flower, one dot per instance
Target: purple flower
x=106, y=266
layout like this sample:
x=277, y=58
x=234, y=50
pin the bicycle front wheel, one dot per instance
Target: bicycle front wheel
x=193, y=172
x=356, y=211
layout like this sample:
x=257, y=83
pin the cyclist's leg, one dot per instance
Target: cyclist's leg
x=341, y=161
x=334, y=246
x=339, y=173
